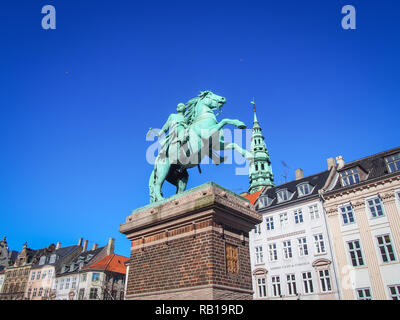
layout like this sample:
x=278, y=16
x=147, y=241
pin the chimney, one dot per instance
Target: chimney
x=95, y=245
x=299, y=174
x=80, y=241
x=331, y=163
x=110, y=246
x=85, y=244
x=340, y=162
x=58, y=246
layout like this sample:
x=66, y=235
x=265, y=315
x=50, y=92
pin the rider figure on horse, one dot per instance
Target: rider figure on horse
x=176, y=124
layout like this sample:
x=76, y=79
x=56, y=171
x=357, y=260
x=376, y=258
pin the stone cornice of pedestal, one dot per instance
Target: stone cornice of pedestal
x=203, y=199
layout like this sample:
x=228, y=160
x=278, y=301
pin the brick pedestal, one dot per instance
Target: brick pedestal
x=194, y=245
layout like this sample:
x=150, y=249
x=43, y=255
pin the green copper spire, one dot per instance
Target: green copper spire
x=260, y=174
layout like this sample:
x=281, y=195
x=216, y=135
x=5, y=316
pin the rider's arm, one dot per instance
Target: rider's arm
x=164, y=128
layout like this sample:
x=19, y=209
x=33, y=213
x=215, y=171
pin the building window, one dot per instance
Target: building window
x=273, y=253
x=314, y=214
x=83, y=277
x=283, y=195
x=95, y=276
x=93, y=293
x=276, y=286
x=262, y=288
x=259, y=254
x=364, y=294
x=73, y=285
x=67, y=283
x=350, y=176
x=291, y=283
x=33, y=275
x=355, y=253
x=53, y=258
x=283, y=219
x=386, y=248
x=325, y=279
x=62, y=284
x=298, y=216
x=347, y=214
x=29, y=293
x=40, y=292
x=34, y=292
x=264, y=202
x=257, y=229
x=303, y=249
x=393, y=163
x=44, y=274
x=81, y=294
x=50, y=274
x=42, y=260
x=375, y=207
x=307, y=282
x=287, y=249
x=304, y=189
x=270, y=223
x=232, y=263
x=38, y=275
x=395, y=292
x=319, y=243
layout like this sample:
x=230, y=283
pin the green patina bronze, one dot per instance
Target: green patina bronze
x=193, y=133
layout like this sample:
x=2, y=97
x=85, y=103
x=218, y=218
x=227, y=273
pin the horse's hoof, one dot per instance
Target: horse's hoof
x=242, y=127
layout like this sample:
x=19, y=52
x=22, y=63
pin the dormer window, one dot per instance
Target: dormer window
x=53, y=258
x=283, y=195
x=304, y=189
x=264, y=202
x=393, y=162
x=42, y=260
x=350, y=177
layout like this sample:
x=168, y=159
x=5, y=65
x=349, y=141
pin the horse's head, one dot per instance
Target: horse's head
x=212, y=100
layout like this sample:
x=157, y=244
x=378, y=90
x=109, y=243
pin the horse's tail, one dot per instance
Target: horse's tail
x=151, y=186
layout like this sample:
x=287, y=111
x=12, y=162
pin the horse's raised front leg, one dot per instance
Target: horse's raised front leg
x=237, y=123
x=247, y=155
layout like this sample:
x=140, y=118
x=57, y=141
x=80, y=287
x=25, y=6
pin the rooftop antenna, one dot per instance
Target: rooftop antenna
x=284, y=170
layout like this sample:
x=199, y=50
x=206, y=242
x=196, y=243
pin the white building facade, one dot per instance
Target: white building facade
x=291, y=255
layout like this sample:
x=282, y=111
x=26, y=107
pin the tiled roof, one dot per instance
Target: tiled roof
x=61, y=253
x=317, y=181
x=112, y=262
x=374, y=165
x=253, y=196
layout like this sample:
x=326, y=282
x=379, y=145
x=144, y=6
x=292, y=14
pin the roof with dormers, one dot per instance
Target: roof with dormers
x=112, y=262
x=82, y=260
x=317, y=181
x=374, y=166
x=60, y=254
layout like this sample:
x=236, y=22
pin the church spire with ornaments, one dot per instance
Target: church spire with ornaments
x=260, y=173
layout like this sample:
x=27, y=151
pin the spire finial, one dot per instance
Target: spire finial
x=254, y=104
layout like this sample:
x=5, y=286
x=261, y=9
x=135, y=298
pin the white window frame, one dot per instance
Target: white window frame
x=308, y=284
x=395, y=160
x=325, y=280
x=302, y=246
x=287, y=249
x=350, y=177
x=319, y=243
x=285, y=221
x=298, y=216
x=261, y=287
x=33, y=274
x=283, y=195
x=291, y=284
x=301, y=189
x=375, y=205
x=273, y=252
x=365, y=295
x=357, y=252
x=276, y=286
x=314, y=212
x=396, y=295
x=385, y=244
x=269, y=223
x=346, y=213
x=258, y=251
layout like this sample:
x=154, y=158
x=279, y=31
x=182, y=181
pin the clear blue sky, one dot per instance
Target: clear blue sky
x=76, y=102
